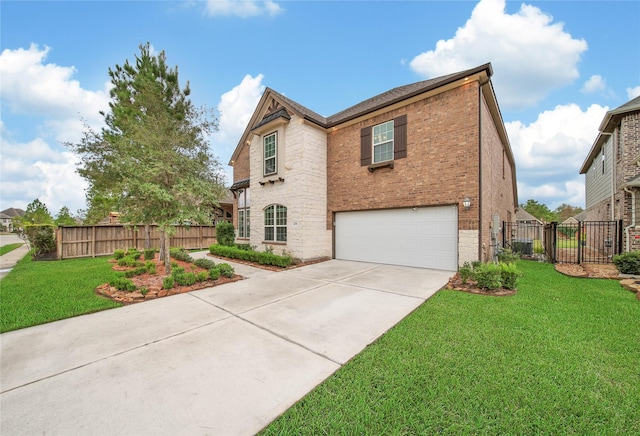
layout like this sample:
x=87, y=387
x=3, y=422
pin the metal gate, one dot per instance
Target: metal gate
x=583, y=242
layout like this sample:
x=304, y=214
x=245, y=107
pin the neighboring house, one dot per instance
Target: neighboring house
x=7, y=216
x=570, y=221
x=224, y=212
x=524, y=217
x=421, y=175
x=612, y=172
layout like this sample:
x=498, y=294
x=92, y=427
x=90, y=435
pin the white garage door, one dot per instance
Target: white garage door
x=426, y=237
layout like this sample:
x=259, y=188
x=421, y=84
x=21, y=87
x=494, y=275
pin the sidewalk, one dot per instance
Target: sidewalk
x=10, y=259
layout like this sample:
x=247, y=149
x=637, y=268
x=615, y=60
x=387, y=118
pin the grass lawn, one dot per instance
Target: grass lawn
x=39, y=292
x=566, y=243
x=9, y=247
x=559, y=357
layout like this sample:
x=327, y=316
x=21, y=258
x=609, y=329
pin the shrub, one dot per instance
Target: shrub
x=509, y=275
x=245, y=247
x=168, y=282
x=465, y=272
x=226, y=270
x=177, y=270
x=225, y=234
x=214, y=274
x=202, y=276
x=628, y=263
x=488, y=276
x=42, y=239
x=129, y=261
x=151, y=267
x=180, y=254
x=133, y=253
x=185, y=279
x=205, y=263
x=149, y=254
x=507, y=256
x=118, y=254
x=144, y=290
x=263, y=258
x=135, y=272
x=123, y=284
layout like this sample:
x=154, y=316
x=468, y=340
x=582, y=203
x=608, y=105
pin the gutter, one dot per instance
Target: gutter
x=633, y=216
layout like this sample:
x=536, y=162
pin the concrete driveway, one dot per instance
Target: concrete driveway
x=219, y=361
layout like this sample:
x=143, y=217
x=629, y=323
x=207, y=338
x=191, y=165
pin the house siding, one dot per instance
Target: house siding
x=302, y=166
x=497, y=190
x=441, y=167
x=598, y=185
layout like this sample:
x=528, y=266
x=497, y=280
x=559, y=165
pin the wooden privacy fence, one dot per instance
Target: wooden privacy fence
x=103, y=240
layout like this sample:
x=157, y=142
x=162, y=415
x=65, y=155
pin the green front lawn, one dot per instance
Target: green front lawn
x=39, y=292
x=9, y=247
x=559, y=357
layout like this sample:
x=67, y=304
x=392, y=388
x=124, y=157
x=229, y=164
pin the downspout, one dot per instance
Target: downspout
x=633, y=216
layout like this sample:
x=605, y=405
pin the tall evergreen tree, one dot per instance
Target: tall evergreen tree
x=153, y=156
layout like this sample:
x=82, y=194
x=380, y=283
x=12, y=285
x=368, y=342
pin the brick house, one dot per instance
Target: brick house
x=421, y=175
x=612, y=172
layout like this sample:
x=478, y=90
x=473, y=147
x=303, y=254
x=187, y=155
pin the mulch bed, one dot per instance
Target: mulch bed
x=153, y=282
x=455, y=284
x=588, y=270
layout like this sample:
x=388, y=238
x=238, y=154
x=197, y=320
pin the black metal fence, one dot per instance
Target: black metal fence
x=578, y=242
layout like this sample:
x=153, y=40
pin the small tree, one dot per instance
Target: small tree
x=64, y=217
x=225, y=234
x=153, y=157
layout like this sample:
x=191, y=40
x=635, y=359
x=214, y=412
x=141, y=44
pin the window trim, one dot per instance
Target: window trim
x=374, y=145
x=244, y=231
x=274, y=157
x=275, y=226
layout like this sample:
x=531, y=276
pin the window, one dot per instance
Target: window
x=244, y=215
x=603, y=160
x=618, y=139
x=383, y=142
x=275, y=223
x=270, y=153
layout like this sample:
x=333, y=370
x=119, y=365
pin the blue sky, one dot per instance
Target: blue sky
x=558, y=67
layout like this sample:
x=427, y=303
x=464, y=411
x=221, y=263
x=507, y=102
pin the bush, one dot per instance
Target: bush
x=149, y=254
x=177, y=270
x=180, y=254
x=488, y=276
x=129, y=261
x=118, y=254
x=168, y=282
x=205, y=263
x=123, y=284
x=136, y=272
x=42, y=239
x=151, y=267
x=628, y=263
x=263, y=258
x=507, y=256
x=225, y=270
x=465, y=272
x=185, y=279
x=245, y=247
x=202, y=276
x=214, y=274
x=225, y=234
x=509, y=275
x=133, y=253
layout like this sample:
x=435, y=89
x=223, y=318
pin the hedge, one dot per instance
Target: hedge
x=260, y=257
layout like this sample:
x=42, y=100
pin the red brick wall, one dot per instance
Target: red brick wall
x=240, y=172
x=497, y=186
x=441, y=166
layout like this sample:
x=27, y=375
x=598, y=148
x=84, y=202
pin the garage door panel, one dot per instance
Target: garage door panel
x=425, y=237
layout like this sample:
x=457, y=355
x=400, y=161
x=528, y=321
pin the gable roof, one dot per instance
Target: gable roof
x=13, y=212
x=523, y=215
x=607, y=126
x=380, y=101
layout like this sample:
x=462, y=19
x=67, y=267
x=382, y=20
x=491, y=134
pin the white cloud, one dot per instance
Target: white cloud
x=32, y=86
x=34, y=170
x=531, y=55
x=549, y=153
x=594, y=84
x=242, y=8
x=38, y=167
x=236, y=107
x=633, y=92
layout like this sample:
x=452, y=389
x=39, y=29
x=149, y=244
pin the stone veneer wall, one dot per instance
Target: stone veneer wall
x=467, y=246
x=302, y=164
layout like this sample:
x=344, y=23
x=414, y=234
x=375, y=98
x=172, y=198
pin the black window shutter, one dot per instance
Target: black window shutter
x=400, y=137
x=365, y=146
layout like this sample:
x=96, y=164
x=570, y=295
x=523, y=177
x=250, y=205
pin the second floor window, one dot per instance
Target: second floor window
x=383, y=142
x=270, y=154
